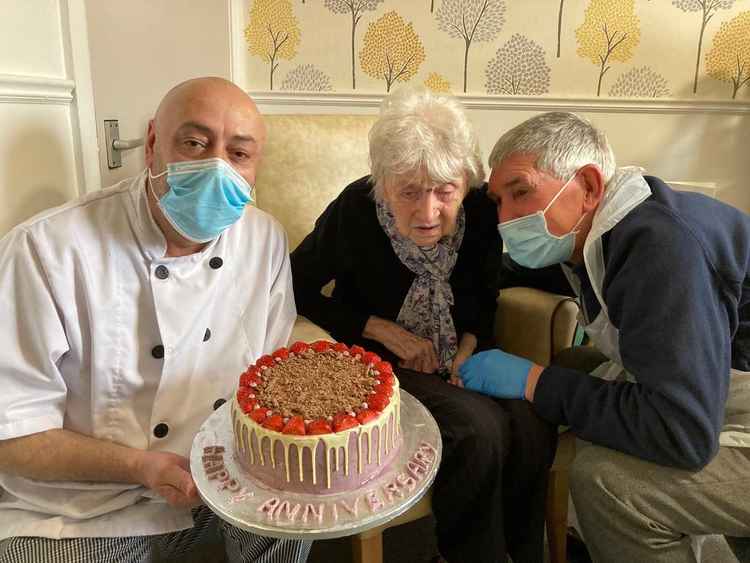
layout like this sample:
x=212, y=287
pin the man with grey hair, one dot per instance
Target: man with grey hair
x=663, y=281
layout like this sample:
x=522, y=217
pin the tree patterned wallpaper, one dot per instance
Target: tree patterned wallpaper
x=679, y=49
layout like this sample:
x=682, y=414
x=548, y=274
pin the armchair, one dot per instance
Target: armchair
x=308, y=160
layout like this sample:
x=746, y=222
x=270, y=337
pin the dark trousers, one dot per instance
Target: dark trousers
x=490, y=490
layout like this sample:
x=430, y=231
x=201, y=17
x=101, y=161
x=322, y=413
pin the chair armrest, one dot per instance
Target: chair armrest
x=307, y=331
x=534, y=324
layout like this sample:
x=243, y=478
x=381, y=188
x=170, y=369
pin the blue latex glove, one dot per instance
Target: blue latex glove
x=496, y=373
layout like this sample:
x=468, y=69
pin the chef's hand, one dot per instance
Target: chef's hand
x=416, y=353
x=168, y=475
x=497, y=373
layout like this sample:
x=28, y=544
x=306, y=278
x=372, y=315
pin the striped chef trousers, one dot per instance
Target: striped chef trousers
x=210, y=539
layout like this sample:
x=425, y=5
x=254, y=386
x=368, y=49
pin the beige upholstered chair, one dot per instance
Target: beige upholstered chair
x=308, y=161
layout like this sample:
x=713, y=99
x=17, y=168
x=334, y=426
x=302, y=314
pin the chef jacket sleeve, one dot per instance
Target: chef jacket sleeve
x=281, y=311
x=32, y=331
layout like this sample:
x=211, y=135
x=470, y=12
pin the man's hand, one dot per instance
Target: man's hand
x=499, y=374
x=416, y=353
x=168, y=475
x=64, y=455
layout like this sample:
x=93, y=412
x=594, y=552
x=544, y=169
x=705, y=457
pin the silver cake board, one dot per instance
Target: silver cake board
x=242, y=502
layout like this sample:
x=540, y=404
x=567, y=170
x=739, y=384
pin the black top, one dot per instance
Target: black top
x=348, y=245
x=677, y=287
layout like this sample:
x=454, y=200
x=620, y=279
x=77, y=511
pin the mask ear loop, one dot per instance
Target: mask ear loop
x=573, y=230
x=153, y=177
x=560, y=191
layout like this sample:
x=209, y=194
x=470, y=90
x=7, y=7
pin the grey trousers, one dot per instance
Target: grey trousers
x=633, y=510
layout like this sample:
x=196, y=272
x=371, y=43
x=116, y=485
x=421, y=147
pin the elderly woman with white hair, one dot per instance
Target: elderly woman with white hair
x=414, y=252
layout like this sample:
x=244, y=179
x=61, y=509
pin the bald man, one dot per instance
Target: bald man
x=127, y=315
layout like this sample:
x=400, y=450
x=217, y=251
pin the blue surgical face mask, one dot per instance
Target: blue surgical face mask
x=530, y=243
x=205, y=197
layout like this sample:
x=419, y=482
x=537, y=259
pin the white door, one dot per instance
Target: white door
x=140, y=49
x=46, y=107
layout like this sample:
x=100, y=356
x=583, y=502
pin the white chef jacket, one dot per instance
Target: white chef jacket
x=104, y=336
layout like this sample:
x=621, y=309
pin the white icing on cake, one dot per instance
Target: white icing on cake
x=320, y=463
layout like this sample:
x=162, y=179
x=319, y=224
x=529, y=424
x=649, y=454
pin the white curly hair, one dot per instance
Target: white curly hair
x=423, y=134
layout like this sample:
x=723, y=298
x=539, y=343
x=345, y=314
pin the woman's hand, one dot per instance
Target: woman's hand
x=416, y=353
x=465, y=349
x=459, y=359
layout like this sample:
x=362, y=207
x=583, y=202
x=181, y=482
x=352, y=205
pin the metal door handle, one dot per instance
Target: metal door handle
x=126, y=144
x=115, y=145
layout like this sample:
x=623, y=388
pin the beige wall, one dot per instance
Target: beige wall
x=40, y=134
x=139, y=49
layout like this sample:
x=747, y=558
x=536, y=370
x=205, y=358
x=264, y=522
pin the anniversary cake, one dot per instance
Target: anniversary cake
x=320, y=418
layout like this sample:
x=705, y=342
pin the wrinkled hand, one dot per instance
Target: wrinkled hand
x=496, y=373
x=458, y=361
x=416, y=353
x=168, y=475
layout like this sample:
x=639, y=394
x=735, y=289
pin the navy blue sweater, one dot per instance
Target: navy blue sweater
x=677, y=288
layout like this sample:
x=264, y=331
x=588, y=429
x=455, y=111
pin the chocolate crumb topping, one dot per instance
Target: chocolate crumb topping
x=318, y=385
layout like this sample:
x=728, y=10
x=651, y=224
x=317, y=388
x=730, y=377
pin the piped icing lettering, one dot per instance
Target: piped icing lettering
x=269, y=506
x=286, y=512
x=375, y=504
x=353, y=509
x=314, y=513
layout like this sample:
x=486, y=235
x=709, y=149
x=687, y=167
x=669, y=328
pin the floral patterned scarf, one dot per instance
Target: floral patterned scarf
x=426, y=308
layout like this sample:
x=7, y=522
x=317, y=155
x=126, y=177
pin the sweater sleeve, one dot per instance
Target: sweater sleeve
x=316, y=262
x=665, y=297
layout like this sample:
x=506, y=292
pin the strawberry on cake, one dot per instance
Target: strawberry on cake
x=317, y=418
